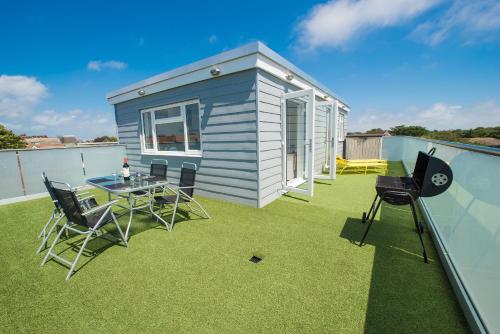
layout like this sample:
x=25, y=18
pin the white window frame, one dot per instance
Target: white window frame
x=176, y=119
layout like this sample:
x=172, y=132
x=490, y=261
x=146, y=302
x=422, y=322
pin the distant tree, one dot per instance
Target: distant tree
x=105, y=139
x=410, y=130
x=375, y=131
x=9, y=140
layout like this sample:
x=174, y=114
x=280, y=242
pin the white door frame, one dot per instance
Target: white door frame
x=309, y=140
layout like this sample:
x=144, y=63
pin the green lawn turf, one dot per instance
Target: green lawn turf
x=313, y=278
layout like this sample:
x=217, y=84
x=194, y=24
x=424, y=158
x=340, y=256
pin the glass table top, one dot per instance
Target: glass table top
x=118, y=184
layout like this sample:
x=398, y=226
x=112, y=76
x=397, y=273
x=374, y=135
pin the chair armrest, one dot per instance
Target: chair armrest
x=100, y=207
x=85, y=198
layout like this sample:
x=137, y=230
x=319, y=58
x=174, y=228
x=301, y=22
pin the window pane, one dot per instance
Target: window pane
x=168, y=112
x=148, y=131
x=193, y=126
x=170, y=136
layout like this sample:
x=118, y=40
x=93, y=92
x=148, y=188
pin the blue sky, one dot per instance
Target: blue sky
x=429, y=62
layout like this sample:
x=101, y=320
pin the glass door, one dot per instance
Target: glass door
x=326, y=145
x=298, y=145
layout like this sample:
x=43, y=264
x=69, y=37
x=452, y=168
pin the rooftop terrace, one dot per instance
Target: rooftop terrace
x=313, y=277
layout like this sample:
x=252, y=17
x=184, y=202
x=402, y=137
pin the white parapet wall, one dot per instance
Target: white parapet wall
x=464, y=222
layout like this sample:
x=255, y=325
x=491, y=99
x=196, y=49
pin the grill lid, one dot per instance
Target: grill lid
x=432, y=175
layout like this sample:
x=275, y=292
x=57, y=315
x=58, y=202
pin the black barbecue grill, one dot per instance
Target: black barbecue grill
x=430, y=177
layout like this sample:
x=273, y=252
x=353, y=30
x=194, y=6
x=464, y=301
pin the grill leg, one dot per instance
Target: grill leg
x=415, y=219
x=367, y=216
x=371, y=221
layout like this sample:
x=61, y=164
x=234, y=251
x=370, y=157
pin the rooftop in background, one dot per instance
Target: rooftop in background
x=368, y=134
x=252, y=55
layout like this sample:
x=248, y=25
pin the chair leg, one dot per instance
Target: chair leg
x=49, y=253
x=173, y=214
x=201, y=208
x=43, y=232
x=70, y=272
x=371, y=222
x=48, y=234
x=415, y=219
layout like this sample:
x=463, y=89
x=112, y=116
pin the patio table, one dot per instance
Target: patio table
x=116, y=185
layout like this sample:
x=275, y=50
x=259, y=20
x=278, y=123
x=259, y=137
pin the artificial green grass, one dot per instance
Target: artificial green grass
x=313, y=277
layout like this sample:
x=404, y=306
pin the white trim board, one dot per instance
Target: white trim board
x=253, y=55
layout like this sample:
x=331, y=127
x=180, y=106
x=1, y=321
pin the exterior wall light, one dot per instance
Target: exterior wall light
x=215, y=71
x=289, y=76
x=141, y=92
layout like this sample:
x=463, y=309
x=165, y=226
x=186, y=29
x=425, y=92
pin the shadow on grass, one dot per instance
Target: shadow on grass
x=403, y=289
x=399, y=277
x=322, y=183
x=95, y=247
x=295, y=197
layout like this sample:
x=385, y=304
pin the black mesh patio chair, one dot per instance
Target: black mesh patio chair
x=158, y=169
x=183, y=194
x=87, y=221
x=87, y=202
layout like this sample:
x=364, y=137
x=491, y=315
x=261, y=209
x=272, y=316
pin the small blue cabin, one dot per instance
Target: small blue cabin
x=254, y=124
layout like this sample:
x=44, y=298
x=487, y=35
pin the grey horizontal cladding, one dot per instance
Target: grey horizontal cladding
x=232, y=173
x=270, y=136
x=231, y=155
x=230, y=127
x=270, y=90
x=270, y=145
x=230, y=146
x=229, y=137
x=270, y=163
x=265, y=107
x=226, y=197
x=229, y=108
x=274, y=188
x=237, y=164
x=269, y=198
x=271, y=180
x=243, y=116
x=270, y=127
x=268, y=172
x=216, y=87
x=269, y=99
x=228, y=166
x=270, y=154
x=270, y=117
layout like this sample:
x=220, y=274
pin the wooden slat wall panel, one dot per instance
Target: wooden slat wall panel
x=228, y=166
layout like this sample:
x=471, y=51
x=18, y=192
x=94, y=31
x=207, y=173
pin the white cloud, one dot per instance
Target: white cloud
x=212, y=39
x=19, y=95
x=439, y=116
x=84, y=124
x=97, y=65
x=52, y=118
x=473, y=21
x=337, y=22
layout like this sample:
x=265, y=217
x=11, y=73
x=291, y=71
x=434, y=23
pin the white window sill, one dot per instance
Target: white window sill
x=175, y=154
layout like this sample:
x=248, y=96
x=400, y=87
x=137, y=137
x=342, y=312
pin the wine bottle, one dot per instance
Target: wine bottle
x=126, y=169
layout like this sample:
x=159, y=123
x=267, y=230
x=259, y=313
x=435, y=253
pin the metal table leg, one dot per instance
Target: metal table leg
x=131, y=208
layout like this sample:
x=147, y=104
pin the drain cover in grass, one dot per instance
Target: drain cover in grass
x=255, y=259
